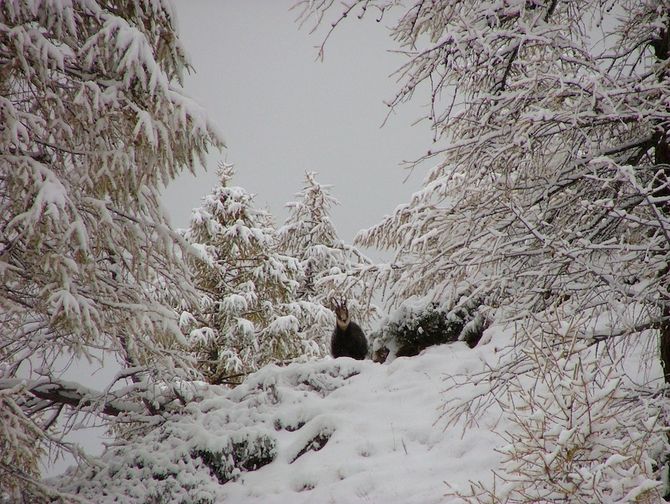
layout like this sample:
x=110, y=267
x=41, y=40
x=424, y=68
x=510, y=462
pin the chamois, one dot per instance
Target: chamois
x=348, y=339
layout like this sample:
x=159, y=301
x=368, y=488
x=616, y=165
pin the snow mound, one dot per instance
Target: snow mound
x=333, y=430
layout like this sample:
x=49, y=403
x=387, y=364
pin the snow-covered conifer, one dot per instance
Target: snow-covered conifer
x=246, y=316
x=330, y=267
x=92, y=123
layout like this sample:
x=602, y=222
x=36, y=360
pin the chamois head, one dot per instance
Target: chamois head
x=341, y=312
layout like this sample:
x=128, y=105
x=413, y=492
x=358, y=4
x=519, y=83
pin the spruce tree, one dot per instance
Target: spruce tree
x=330, y=267
x=247, y=315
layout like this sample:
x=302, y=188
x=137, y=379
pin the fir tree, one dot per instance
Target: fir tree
x=246, y=316
x=331, y=268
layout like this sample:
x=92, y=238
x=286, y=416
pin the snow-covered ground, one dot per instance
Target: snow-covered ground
x=386, y=438
x=387, y=441
x=346, y=431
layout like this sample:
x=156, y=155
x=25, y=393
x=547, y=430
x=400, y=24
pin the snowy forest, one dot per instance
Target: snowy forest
x=518, y=330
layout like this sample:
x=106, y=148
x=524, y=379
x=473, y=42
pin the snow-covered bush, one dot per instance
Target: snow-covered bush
x=419, y=323
x=19, y=455
x=216, y=438
x=178, y=463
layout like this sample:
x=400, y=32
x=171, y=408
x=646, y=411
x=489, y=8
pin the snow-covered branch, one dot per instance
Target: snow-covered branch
x=94, y=122
x=72, y=394
x=549, y=202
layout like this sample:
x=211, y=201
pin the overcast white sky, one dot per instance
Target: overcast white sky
x=282, y=112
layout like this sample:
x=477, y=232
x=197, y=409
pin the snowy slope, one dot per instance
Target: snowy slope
x=346, y=431
x=387, y=443
x=385, y=440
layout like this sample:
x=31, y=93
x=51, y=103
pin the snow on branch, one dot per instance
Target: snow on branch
x=94, y=123
x=73, y=395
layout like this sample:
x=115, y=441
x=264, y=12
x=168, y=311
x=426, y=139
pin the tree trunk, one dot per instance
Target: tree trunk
x=664, y=329
x=662, y=163
x=661, y=47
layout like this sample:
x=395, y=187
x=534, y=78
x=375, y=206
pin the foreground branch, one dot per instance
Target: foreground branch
x=73, y=395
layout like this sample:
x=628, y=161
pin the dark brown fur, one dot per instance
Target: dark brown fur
x=348, y=339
